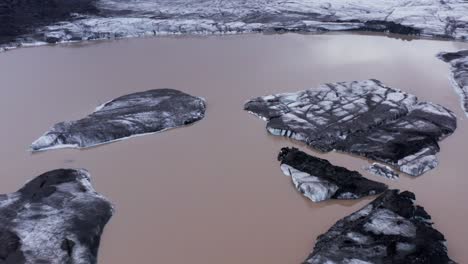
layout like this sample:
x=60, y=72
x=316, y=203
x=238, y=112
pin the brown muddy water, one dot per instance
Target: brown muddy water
x=213, y=192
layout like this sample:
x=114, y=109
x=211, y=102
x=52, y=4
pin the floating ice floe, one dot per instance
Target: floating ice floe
x=382, y=170
x=391, y=229
x=365, y=118
x=319, y=180
x=459, y=78
x=55, y=218
x=127, y=116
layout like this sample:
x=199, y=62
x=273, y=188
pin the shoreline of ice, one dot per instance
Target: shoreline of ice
x=120, y=19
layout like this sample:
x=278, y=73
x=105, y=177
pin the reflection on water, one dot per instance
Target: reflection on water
x=213, y=192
